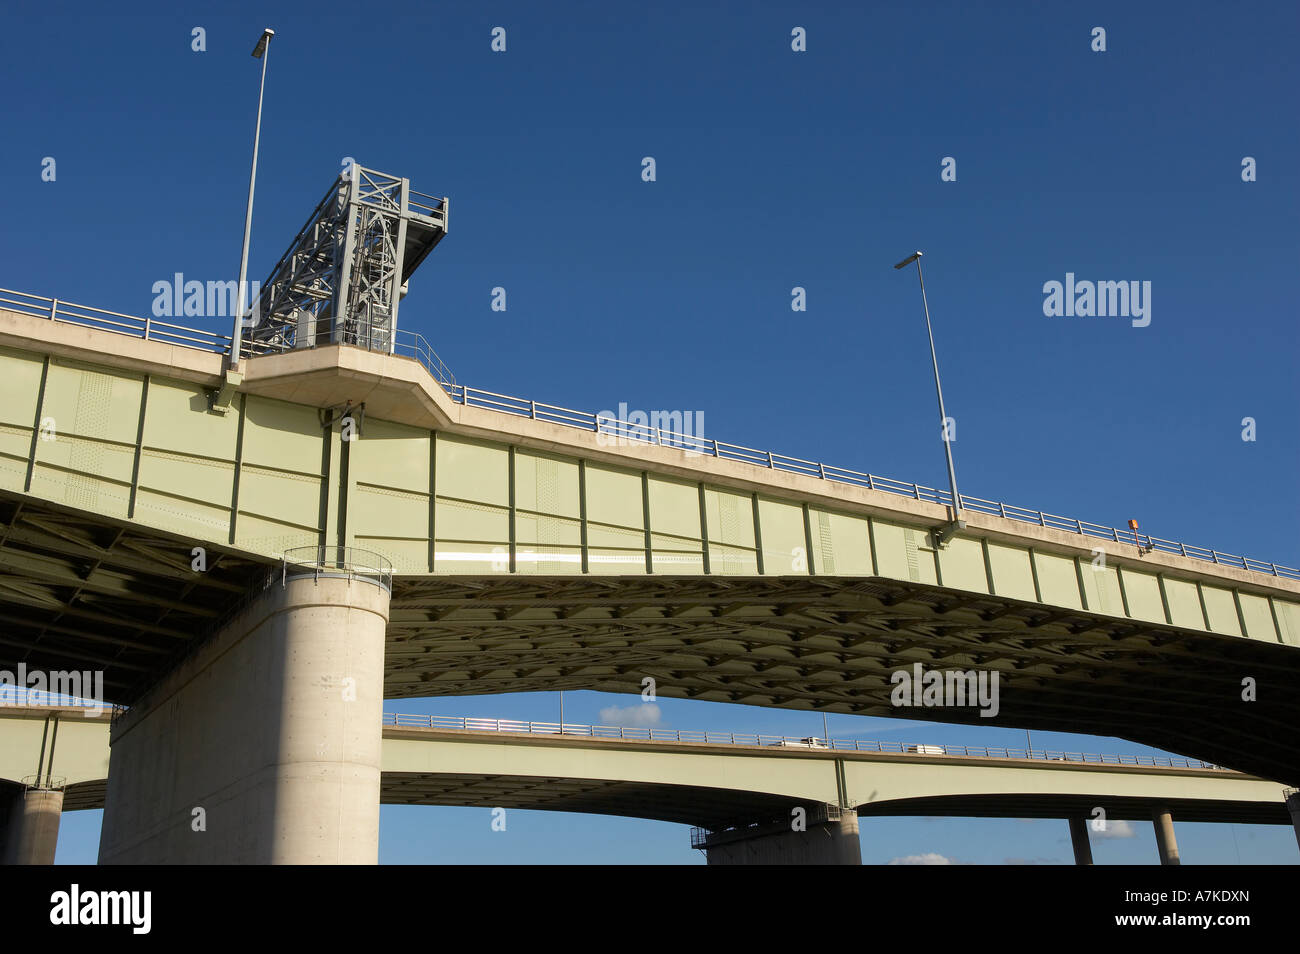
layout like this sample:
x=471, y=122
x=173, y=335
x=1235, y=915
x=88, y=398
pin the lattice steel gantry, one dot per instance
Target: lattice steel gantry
x=345, y=273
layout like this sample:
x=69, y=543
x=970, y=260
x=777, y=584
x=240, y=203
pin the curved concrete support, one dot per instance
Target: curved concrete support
x=832, y=842
x=265, y=745
x=32, y=830
x=1166, y=843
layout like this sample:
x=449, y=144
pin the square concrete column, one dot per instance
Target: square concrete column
x=264, y=745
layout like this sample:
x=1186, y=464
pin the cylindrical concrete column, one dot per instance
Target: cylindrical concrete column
x=1166, y=843
x=845, y=841
x=330, y=719
x=264, y=747
x=1293, y=806
x=33, y=834
x=1079, y=839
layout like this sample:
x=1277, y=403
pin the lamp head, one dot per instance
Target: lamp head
x=262, y=41
x=909, y=260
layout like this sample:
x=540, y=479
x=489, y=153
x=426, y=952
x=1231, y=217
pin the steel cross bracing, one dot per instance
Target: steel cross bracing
x=345, y=273
x=76, y=595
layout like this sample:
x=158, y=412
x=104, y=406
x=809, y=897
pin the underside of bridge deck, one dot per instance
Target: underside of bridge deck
x=833, y=643
x=108, y=596
x=715, y=809
x=81, y=595
x=710, y=808
x=1053, y=805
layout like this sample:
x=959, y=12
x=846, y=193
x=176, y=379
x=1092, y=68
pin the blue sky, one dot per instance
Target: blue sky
x=774, y=169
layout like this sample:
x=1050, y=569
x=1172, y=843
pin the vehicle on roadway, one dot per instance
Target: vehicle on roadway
x=809, y=743
x=926, y=749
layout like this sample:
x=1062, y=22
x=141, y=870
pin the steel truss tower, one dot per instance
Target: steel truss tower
x=345, y=272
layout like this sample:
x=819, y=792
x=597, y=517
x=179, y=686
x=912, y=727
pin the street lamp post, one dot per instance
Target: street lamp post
x=236, y=340
x=943, y=535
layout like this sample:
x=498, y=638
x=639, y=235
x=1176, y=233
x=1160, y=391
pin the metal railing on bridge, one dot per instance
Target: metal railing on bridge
x=12, y=695
x=639, y=734
x=408, y=344
x=412, y=345
x=151, y=329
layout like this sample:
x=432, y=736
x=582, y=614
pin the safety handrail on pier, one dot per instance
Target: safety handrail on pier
x=349, y=562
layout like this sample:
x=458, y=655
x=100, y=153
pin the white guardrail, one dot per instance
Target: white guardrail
x=412, y=345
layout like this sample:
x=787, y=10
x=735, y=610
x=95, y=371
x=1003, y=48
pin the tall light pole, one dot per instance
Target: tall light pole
x=236, y=339
x=945, y=534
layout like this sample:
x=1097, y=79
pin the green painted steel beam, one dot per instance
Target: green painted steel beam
x=278, y=475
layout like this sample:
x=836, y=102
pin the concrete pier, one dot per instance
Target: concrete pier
x=31, y=828
x=1079, y=840
x=264, y=745
x=832, y=841
x=1166, y=843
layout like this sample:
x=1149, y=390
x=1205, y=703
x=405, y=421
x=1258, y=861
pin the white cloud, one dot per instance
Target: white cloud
x=644, y=716
x=930, y=858
x=1114, y=829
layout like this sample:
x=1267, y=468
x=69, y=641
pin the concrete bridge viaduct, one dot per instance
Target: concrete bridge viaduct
x=254, y=562
x=742, y=797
